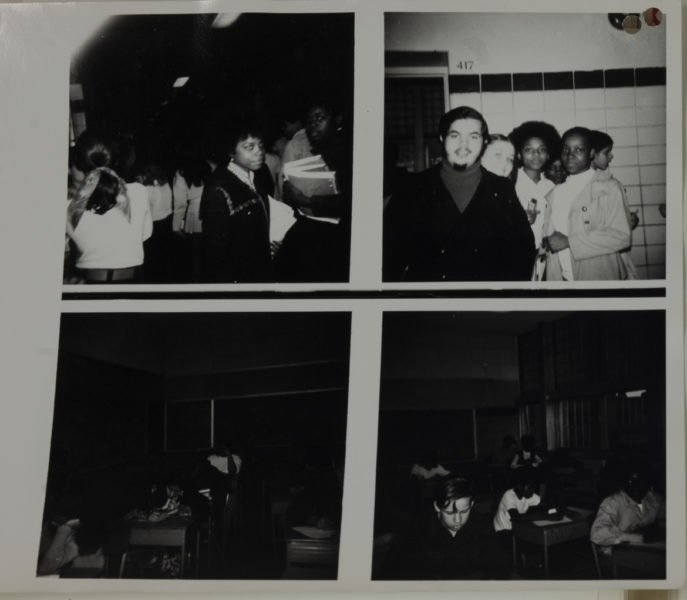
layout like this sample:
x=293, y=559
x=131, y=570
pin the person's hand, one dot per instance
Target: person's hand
x=557, y=241
x=532, y=215
x=634, y=220
x=274, y=248
x=293, y=196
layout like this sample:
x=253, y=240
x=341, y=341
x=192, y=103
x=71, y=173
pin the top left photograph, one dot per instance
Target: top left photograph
x=211, y=148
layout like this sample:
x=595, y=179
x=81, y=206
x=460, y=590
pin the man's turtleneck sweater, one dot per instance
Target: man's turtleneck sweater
x=461, y=184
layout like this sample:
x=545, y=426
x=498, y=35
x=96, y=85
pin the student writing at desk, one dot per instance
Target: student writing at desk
x=629, y=515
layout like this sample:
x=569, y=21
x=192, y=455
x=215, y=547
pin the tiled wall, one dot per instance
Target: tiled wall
x=629, y=104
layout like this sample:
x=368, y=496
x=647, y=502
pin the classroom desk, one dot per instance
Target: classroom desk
x=172, y=532
x=647, y=559
x=545, y=533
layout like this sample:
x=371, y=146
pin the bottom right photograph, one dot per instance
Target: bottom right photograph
x=521, y=446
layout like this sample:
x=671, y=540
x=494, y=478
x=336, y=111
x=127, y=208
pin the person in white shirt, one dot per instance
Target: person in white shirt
x=516, y=501
x=536, y=143
x=107, y=219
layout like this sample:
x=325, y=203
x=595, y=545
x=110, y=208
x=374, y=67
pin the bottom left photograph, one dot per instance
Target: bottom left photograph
x=197, y=445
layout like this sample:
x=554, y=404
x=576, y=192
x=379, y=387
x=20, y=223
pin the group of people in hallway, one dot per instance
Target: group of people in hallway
x=232, y=213
x=531, y=206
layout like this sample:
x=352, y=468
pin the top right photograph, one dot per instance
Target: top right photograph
x=524, y=147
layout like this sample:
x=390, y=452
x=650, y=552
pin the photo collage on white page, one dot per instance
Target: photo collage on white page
x=343, y=297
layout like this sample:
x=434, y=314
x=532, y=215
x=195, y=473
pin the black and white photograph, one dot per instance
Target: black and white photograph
x=525, y=147
x=197, y=446
x=521, y=446
x=211, y=148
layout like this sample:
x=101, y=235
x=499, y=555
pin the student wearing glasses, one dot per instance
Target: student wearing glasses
x=585, y=224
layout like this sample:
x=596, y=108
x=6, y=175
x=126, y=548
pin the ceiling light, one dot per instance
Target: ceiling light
x=180, y=82
x=224, y=20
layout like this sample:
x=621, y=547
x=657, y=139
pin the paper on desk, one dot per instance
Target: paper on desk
x=550, y=522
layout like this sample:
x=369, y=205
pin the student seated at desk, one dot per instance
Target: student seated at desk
x=447, y=542
x=517, y=501
x=629, y=515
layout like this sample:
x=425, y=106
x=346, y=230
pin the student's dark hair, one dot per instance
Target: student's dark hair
x=462, y=112
x=451, y=489
x=498, y=137
x=536, y=129
x=581, y=131
x=104, y=196
x=429, y=459
x=600, y=140
x=92, y=150
x=525, y=476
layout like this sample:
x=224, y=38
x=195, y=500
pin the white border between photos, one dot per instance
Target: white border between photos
x=33, y=157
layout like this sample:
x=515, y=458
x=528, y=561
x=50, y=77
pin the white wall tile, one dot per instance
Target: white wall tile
x=656, y=254
x=634, y=196
x=585, y=99
x=623, y=157
x=643, y=273
x=652, y=155
x=655, y=234
x=638, y=254
x=623, y=136
x=500, y=122
x=655, y=134
x=557, y=100
x=657, y=272
x=650, y=115
x=473, y=99
x=497, y=102
x=651, y=95
x=592, y=118
x=651, y=175
x=638, y=238
x=653, y=194
x=561, y=120
x=626, y=175
x=620, y=97
x=528, y=101
x=652, y=216
x=620, y=117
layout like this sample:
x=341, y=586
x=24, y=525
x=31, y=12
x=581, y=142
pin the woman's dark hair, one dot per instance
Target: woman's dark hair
x=537, y=129
x=104, y=196
x=600, y=140
x=93, y=150
x=239, y=134
x=528, y=442
x=462, y=112
x=152, y=174
x=451, y=489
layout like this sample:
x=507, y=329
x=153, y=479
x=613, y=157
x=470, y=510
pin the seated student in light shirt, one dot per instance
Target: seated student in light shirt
x=629, y=515
x=585, y=224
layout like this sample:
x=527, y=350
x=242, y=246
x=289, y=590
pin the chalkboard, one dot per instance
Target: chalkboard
x=405, y=435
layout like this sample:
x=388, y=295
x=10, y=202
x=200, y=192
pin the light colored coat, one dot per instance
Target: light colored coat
x=598, y=230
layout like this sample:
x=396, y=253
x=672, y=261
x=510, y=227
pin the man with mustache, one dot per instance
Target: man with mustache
x=456, y=221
